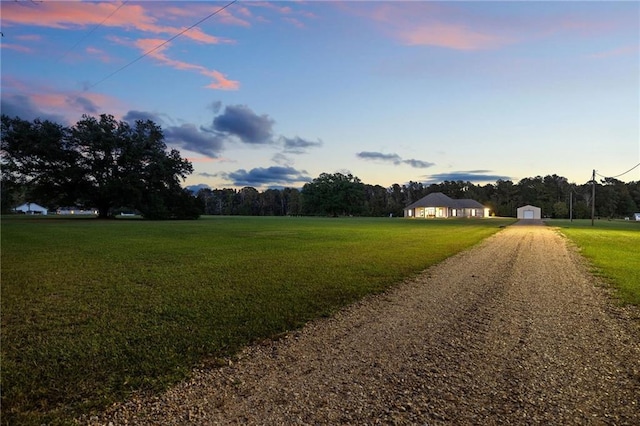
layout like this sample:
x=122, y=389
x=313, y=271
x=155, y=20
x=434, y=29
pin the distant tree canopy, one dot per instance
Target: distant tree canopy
x=98, y=163
x=111, y=165
x=333, y=195
x=336, y=194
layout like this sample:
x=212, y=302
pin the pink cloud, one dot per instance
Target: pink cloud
x=29, y=37
x=16, y=47
x=620, y=51
x=455, y=26
x=49, y=101
x=450, y=36
x=100, y=54
x=228, y=18
x=197, y=11
x=272, y=6
x=76, y=102
x=12, y=84
x=293, y=15
x=38, y=100
x=244, y=12
x=431, y=24
x=145, y=17
x=204, y=160
x=73, y=14
x=220, y=81
x=295, y=22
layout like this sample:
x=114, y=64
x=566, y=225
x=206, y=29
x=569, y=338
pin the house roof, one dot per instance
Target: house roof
x=435, y=199
x=438, y=199
x=31, y=207
x=468, y=203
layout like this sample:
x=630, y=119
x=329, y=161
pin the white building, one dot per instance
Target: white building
x=76, y=211
x=529, y=212
x=31, y=208
x=438, y=204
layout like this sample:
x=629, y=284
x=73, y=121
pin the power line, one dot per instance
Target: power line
x=621, y=174
x=163, y=43
x=92, y=30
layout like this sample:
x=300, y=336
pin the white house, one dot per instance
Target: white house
x=636, y=216
x=438, y=204
x=529, y=212
x=31, y=208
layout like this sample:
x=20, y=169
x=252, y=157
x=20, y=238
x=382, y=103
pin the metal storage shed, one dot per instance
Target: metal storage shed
x=529, y=212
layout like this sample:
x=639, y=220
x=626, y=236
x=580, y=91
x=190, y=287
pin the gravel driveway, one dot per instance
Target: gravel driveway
x=513, y=331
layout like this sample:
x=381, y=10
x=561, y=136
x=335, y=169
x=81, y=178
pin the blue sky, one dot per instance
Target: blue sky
x=271, y=94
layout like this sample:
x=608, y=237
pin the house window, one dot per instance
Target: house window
x=454, y=212
x=473, y=212
x=430, y=211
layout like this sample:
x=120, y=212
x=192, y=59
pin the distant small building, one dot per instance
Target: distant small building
x=31, y=208
x=438, y=204
x=529, y=212
x=636, y=216
x=76, y=211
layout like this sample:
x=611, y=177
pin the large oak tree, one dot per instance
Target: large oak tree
x=99, y=162
x=334, y=194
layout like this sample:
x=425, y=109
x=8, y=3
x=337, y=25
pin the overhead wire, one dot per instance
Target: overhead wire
x=92, y=30
x=148, y=52
x=621, y=174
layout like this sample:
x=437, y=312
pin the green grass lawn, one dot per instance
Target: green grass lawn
x=93, y=310
x=612, y=247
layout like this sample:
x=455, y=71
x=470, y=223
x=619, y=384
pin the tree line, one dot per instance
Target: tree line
x=338, y=194
x=113, y=166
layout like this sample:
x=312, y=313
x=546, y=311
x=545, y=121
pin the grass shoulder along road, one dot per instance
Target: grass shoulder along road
x=612, y=249
x=94, y=310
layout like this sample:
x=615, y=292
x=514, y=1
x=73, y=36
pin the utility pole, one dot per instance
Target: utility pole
x=593, y=196
x=571, y=205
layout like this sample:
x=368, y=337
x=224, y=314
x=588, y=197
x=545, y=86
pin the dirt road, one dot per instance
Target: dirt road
x=513, y=331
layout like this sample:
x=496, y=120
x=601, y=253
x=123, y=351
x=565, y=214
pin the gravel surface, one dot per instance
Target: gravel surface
x=513, y=331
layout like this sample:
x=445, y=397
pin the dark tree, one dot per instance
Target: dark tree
x=271, y=203
x=397, y=200
x=333, y=195
x=37, y=163
x=291, y=202
x=455, y=189
x=100, y=163
x=634, y=193
x=248, y=201
x=504, y=198
x=377, y=201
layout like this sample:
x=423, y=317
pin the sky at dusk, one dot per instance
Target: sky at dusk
x=271, y=94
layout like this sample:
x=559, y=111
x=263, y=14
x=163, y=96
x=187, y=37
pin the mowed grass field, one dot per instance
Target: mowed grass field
x=612, y=247
x=93, y=310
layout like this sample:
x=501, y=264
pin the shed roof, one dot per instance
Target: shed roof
x=528, y=206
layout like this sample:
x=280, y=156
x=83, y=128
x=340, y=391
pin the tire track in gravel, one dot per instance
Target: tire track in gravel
x=512, y=331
